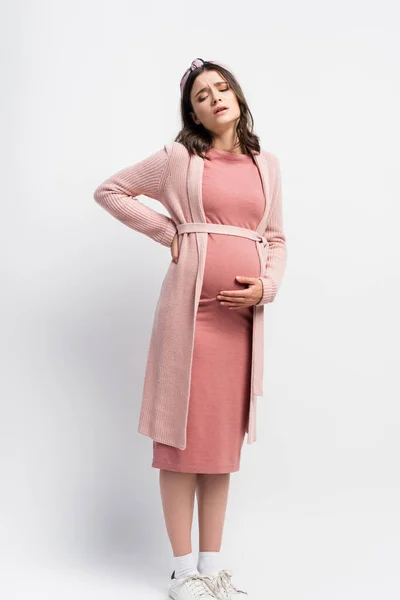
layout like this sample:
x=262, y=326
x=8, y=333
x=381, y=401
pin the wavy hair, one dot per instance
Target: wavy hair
x=198, y=139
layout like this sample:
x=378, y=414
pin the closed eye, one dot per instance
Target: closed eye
x=224, y=90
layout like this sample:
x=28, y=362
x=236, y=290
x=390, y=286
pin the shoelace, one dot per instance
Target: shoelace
x=197, y=585
x=223, y=582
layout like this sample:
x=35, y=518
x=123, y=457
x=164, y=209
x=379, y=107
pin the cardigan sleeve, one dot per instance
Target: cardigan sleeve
x=277, y=251
x=118, y=196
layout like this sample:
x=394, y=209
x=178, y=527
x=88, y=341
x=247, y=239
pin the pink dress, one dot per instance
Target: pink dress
x=232, y=194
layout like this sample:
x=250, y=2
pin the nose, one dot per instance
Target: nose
x=216, y=95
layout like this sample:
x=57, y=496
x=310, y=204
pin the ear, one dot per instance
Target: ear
x=195, y=119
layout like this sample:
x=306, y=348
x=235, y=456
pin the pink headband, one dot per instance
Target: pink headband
x=197, y=62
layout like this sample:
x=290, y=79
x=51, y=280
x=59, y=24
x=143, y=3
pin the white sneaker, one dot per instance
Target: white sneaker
x=191, y=587
x=222, y=587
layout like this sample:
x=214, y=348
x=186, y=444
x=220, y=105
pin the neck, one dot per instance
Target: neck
x=228, y=142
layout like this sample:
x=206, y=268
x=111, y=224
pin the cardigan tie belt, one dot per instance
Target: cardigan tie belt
x=230, y=230
x=258, y=325
x=220, y=228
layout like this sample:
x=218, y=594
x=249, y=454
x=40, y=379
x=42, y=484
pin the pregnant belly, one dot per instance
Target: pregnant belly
x=227, y=257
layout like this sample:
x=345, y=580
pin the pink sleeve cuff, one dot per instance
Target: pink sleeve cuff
x=169, y=233
x=269, y=290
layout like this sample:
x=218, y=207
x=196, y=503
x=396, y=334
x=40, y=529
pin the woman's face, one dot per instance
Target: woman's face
x=209, y=91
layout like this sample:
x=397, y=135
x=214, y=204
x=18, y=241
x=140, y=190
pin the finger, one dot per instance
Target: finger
x=238, y=302
x=233, y=299
x=235, y=293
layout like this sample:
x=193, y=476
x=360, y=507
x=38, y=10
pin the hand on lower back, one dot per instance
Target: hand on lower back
x=175, y=248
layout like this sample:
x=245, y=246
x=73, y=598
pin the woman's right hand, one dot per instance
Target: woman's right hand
x=175, y=248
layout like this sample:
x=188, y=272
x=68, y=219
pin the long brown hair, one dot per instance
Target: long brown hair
x=198, y=139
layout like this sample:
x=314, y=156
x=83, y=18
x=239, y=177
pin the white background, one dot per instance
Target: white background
x=89, y=88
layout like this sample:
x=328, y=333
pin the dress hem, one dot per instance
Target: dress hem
x=172, y=467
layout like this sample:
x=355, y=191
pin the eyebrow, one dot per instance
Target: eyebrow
x=204, y=88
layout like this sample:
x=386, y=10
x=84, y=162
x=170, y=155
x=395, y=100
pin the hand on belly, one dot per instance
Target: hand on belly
x=242, y=298
x=231, y=272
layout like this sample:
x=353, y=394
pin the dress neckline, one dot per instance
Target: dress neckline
x=227, y=154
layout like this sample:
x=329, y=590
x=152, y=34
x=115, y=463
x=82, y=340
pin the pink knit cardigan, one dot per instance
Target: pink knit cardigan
x=174, y=177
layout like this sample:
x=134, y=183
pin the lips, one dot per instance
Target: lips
x=219, y=109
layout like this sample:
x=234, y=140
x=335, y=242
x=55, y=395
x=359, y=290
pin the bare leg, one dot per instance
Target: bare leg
x=212, y=498
x=177, y=495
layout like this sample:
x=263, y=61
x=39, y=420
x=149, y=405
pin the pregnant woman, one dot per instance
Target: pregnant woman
x=228, y=259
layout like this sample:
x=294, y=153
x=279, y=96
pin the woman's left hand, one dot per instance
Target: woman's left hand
x=241, y=298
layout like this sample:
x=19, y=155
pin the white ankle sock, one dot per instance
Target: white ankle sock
x=184, y=565
x=209, y=562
